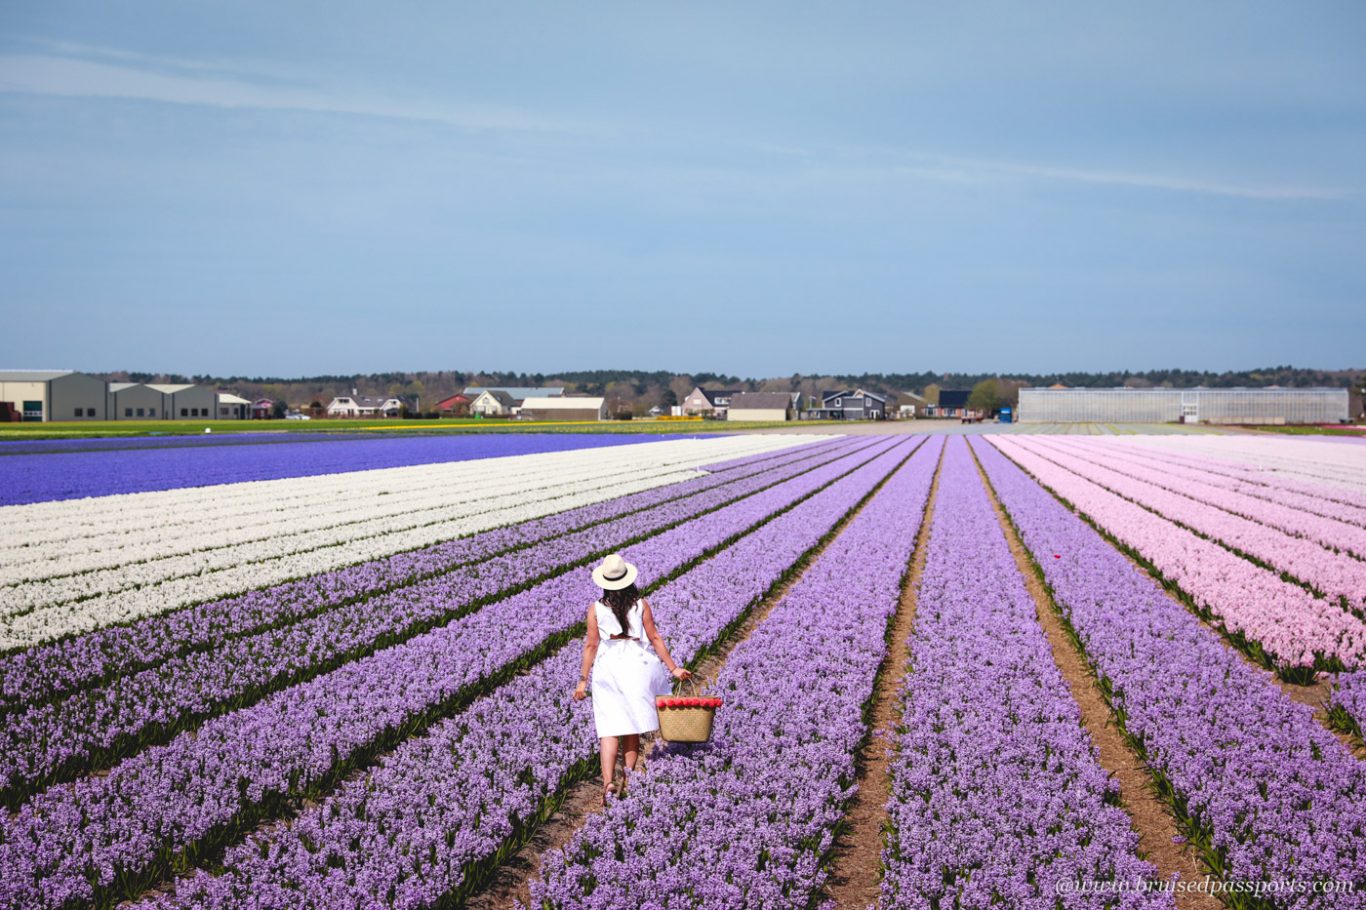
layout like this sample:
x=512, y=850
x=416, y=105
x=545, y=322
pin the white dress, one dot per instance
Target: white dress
x=627, y=675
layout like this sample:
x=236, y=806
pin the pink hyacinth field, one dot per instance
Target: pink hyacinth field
x=955, y=669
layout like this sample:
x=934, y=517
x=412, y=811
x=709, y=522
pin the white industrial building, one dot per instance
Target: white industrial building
x=232, y=407
x=1229, y=406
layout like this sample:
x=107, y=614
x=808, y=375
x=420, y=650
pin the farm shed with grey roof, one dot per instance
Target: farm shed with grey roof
x=518, y=393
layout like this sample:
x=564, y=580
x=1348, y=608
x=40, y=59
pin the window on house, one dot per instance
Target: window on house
x=142, y=412
x=127, y=412
x=185, y=412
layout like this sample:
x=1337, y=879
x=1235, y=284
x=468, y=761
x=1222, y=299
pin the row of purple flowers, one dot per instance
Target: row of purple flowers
x=45, y=672
x=425, y=825
x=748, y=821
x=1264, y=791
x=998, y=796
x=63, y=739
x=1347, y=707
x=172, y=804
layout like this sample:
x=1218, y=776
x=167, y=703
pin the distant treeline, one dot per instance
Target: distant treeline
x=639, y=390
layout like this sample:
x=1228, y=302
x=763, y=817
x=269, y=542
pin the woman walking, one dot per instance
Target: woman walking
x=627, y=673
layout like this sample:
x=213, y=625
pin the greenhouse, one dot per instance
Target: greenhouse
x=1245, y=406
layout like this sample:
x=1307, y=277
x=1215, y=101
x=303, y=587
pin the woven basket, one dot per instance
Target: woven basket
x=686, y=718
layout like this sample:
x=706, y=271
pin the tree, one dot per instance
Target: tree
x=668, y=399
x=985, y=396
x=277, y=409
x=931, y=395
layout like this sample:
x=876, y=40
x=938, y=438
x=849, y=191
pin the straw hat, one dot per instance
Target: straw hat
x=614, y=574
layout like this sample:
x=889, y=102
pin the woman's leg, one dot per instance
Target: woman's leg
x=631, y=746
x=609, y=760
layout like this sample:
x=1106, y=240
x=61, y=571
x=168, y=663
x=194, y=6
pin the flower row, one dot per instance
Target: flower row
x=439, y=811
x=1347, y=706
x=170, y=804
x=748, y=820
x=63, y=739
x=1293, y=629
x=998, y=797
x=1331, y=573
x=41, y=673
x=1264, y=790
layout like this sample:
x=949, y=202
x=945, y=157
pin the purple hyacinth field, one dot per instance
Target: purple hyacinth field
x=1017, y=670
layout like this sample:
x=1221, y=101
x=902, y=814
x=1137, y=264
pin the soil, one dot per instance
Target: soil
x=1159, y=838
x=856, y=863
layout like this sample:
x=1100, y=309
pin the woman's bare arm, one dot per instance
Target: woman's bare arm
x=590, y=650
x=647, y=621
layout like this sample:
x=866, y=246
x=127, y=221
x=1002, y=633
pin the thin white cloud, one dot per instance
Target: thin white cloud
x=1271, y=193
x=890, y=163
x=214, y=86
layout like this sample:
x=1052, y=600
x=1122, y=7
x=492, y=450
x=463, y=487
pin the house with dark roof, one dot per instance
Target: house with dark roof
x=702, y=402
x=849, y=404
x=363, y=406
x=763, y=406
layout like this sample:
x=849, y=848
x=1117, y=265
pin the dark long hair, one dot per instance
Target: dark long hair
x=620, y=603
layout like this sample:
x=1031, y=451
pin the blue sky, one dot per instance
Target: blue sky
x=760, y=189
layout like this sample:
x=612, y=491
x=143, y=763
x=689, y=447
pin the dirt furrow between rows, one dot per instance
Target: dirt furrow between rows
x=856, y=862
